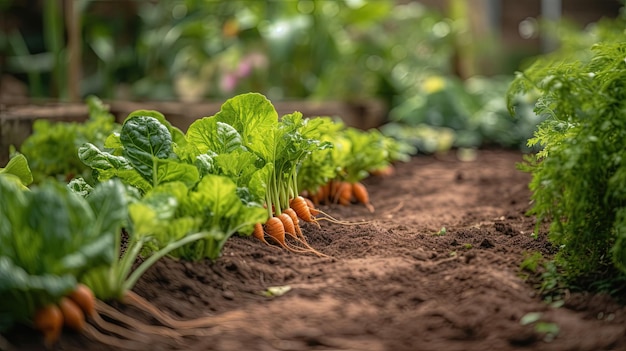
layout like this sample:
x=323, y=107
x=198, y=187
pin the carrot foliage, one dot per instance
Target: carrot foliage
x=579, y=176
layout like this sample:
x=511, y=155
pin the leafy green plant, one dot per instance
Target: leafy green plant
x=52, y=147
x=49, y=239
x=579, y=175
x=354, y=156
x=175, y=201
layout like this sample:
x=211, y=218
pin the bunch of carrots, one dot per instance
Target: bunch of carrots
x=81, y=306
x=343, y=193
x=70, y=311
x=288, y=223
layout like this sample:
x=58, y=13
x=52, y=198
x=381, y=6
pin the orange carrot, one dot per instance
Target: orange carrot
x=384, y=172
x=302, y=209
x=288, y=224
x=323, y=193
x=276, y=230
x=49, y=320
x=259, y=233
x=312, y=209
x=296, y=223
x=73, y=316
x=344, y=193
x=85, y=299
x=361, y=195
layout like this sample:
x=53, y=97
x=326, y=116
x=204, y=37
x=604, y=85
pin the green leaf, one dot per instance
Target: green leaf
x=178, y=136
x=145, y=140
x=18, y=166
x=207, y=134
x=173, y=170
x=255, y=118
x=109, y=166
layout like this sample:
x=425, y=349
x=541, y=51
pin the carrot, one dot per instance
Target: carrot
x=312, y=209
x=361, y=195
x=85, y=299
x=344, y=193
x=323, y=193
x=302, y=209
x=276, y=230
x=384, y=172
x=259, y=233
x=288, y=224
x=73, y=316
x=296, y=223
x=49, y=320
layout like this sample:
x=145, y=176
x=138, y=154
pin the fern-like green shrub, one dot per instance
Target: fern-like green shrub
x=579, y=176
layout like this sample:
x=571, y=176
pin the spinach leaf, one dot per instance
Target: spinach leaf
x=147, y=156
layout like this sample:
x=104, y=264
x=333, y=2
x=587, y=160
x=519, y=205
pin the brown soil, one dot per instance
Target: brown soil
x=392, y=283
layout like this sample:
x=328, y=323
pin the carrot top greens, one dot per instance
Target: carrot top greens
x=579, y=176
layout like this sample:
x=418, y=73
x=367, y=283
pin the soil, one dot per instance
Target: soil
x=435, y=267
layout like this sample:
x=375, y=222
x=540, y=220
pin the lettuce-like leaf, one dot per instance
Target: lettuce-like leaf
x=255, y=118
x=207, y=134
x=18, y=166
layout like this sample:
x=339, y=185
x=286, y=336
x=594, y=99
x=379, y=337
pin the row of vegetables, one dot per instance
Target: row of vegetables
x=153, y=191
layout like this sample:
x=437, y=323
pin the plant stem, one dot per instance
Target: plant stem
x=143, y=267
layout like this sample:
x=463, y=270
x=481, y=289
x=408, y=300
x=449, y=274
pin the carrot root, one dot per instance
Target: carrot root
x=141, y=328
x=96, y=335
x=202, y=322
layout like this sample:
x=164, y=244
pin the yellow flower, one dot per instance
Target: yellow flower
x=433, y=84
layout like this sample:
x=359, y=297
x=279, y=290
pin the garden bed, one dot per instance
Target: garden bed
x=397, y=282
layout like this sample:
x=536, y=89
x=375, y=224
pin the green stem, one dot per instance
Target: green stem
x=155, y=179
x=143, y=267
x=121, y=269
x=275, y=193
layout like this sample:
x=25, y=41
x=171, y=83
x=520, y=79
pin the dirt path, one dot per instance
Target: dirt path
x=392, y=283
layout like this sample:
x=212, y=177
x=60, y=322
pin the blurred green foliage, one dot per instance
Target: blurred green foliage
x=195, y=49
